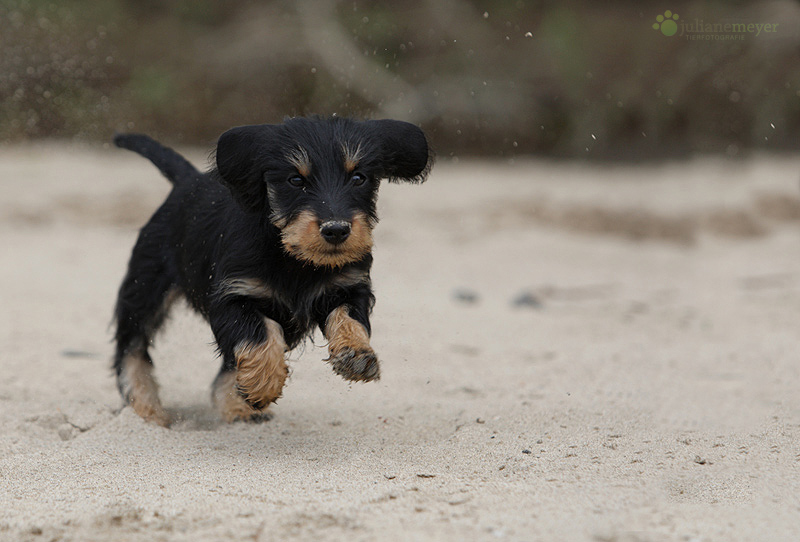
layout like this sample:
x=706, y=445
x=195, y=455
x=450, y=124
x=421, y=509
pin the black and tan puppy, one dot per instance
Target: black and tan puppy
x=273, y=241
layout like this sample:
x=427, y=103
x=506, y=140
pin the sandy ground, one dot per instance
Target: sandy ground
x=570, y=352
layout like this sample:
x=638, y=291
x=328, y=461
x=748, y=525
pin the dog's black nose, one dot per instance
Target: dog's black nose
x=335, y=231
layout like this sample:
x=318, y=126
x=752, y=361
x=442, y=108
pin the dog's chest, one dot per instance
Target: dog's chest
x=294, y=298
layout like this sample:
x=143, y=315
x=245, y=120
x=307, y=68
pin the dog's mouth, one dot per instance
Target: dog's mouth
x=333, y=243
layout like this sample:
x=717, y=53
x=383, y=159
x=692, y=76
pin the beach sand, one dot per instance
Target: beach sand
x=573, y=352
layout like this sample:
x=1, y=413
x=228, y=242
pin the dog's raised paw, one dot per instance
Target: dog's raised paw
x=356, y=365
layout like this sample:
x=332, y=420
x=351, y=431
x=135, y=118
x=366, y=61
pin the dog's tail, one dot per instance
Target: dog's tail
x=171, y=164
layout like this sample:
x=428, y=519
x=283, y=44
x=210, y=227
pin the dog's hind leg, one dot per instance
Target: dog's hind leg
x=254, y=368
x=144, y=300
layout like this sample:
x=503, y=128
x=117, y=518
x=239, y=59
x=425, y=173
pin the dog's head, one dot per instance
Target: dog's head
x=317, y=180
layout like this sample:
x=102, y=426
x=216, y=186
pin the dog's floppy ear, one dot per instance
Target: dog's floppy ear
x=240, y=154
x=405, y=153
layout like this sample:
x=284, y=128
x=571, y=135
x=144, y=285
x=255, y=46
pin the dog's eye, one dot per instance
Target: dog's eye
x=296, y=180
x=358, y=179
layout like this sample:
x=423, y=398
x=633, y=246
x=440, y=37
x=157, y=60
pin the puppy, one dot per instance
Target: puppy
x=272, y=242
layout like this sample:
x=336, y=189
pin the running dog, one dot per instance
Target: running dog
x=273, y=241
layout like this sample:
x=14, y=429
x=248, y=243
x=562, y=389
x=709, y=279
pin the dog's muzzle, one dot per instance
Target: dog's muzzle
x=335, y=231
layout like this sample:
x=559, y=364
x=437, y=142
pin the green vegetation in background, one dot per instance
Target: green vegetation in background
x=499, y=78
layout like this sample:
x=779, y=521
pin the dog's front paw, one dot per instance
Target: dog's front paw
x=241, y=413
x=356, y=364
x=231, y=405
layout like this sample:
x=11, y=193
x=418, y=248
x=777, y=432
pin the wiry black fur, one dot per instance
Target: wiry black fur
x=221, y=225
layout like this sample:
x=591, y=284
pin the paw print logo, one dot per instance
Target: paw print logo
x=666, y=23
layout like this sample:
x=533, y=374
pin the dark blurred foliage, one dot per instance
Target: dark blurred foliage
x=495, y=78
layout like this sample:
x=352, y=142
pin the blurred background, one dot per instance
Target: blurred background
x=502, y=78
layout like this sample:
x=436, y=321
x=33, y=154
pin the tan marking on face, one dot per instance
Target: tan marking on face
x=352, y=156
x=275, y=216
x=299, y=159
x=301, y=238
x=343, y=332
x=140, y=390
x=229, y=403
x=261, y=368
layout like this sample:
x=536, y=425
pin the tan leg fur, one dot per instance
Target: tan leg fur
x=351, y=356
x=141, y=390
x=261, y=368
